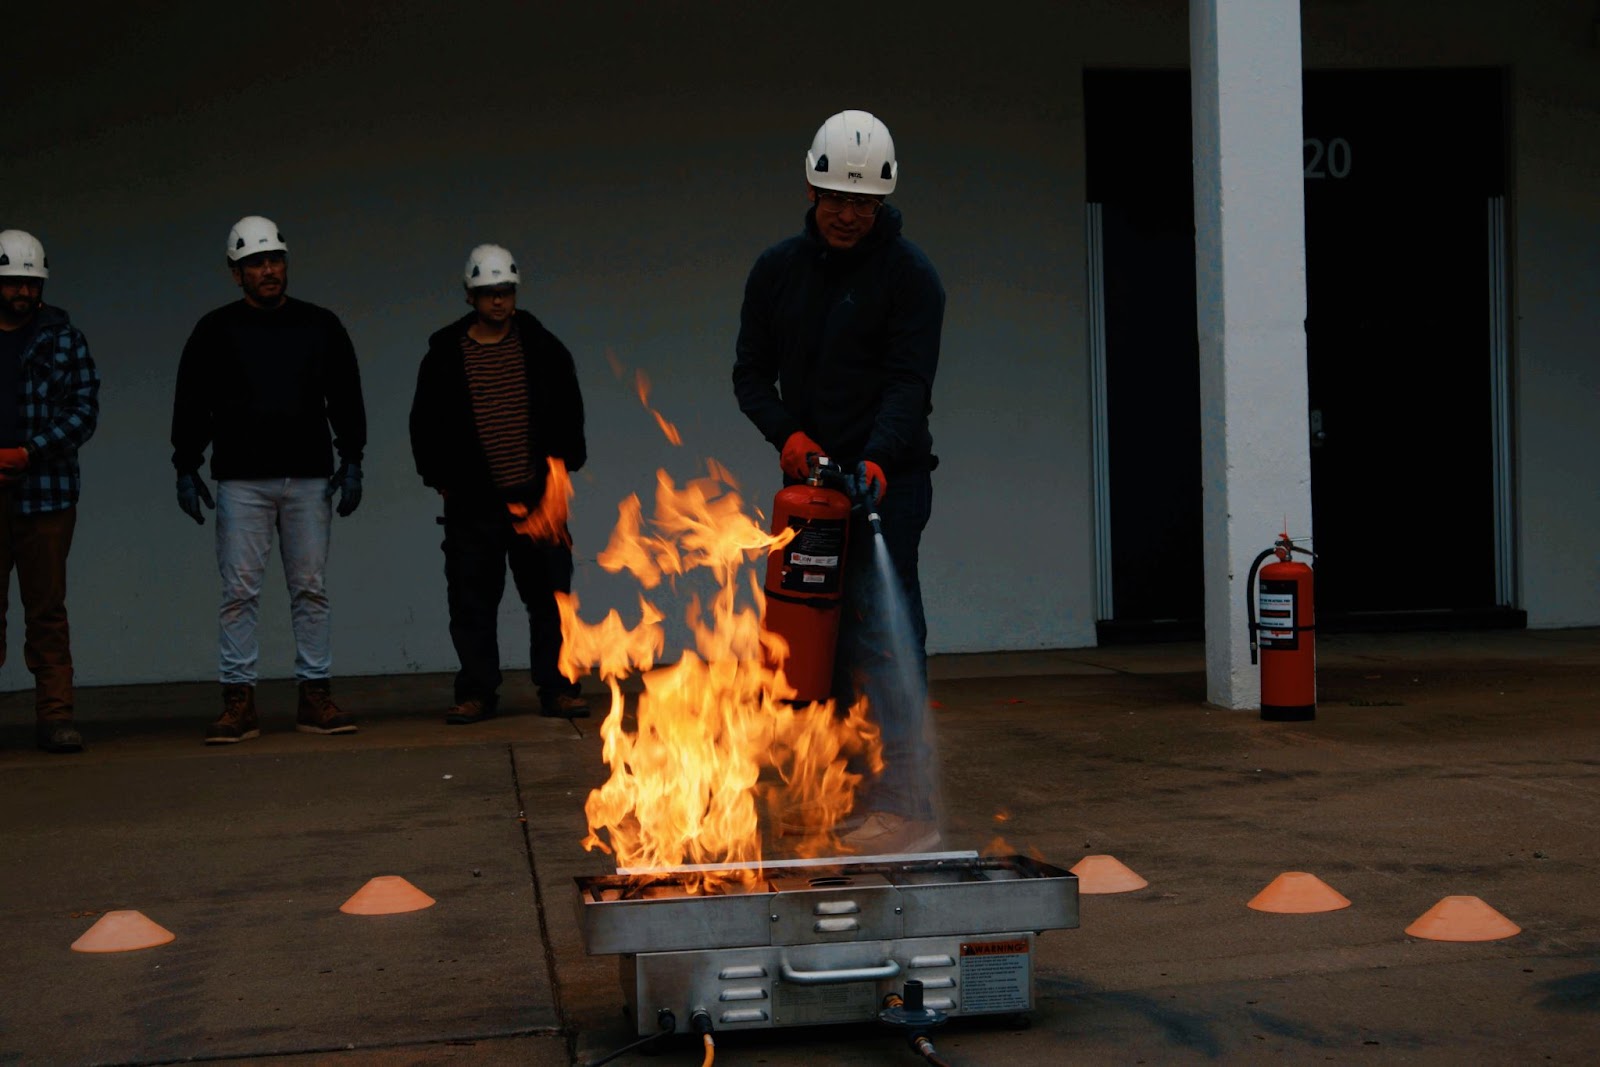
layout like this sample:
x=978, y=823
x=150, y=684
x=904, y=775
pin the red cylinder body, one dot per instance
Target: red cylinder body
x=805, y=583
x=1288, y=641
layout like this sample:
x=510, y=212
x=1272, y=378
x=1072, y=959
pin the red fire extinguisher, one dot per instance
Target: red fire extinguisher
x=1286, y=633
x=805, y=578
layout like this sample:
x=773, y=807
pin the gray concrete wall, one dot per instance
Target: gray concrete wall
x=638, y=157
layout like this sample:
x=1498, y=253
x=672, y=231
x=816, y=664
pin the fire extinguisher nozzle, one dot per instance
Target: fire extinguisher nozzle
x=877, y=523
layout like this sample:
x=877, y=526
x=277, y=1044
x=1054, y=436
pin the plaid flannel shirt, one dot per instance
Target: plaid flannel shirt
x=58, y=404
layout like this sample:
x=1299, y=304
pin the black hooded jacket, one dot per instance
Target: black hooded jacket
x=843, y=345
x=444, y=435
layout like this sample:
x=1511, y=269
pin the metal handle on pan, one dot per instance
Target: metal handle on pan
x=843, y=974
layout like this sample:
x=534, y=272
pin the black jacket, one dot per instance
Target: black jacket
x=444, y=437
x=843, y=345
x=261, y=387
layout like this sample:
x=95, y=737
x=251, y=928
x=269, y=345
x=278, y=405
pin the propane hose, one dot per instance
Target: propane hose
x=926, y=1050
x=700, y=1022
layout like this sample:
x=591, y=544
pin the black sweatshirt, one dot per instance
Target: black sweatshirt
x=444, y=435
x=843, y=345
x=261, y=386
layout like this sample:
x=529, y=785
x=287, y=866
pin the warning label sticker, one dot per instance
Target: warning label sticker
x=1277, y=609
x=995, y=975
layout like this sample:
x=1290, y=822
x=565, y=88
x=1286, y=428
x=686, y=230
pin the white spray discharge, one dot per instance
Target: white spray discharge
x=908, y=685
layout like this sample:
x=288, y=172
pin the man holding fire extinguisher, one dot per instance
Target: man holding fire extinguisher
x=837, y=350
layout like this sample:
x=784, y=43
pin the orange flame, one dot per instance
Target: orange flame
x=548, y=523
x=1000, y=847
x=714, y=733
x=641, y=382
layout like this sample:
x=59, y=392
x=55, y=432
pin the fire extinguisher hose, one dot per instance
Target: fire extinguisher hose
x=1250, y=601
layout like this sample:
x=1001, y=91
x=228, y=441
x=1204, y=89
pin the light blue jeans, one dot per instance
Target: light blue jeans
x=249, y=512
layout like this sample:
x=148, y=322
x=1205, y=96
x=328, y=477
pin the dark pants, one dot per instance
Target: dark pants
x=37, y=546
x=882, y=652
x=478, y=542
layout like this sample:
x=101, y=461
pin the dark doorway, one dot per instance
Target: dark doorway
x=1400, y=167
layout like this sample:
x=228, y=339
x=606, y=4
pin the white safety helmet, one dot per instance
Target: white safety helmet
x=253, y=234
x=489, y=265
x=853, y=153
x=22, y=256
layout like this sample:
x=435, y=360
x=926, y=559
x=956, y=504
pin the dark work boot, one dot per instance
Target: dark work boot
x=59, y=735
x=238, y=719
x=564, y=706
x=318, y=713
x=469, y=710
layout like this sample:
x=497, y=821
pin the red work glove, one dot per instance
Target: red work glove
x=795, y=451
x=13, y=461
x=872, y=478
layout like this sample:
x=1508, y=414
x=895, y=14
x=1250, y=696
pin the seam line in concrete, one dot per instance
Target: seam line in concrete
x=538, y=904
x=422, y=1042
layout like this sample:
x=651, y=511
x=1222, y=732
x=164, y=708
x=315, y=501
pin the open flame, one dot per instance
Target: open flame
x=641, y=383
x=548, y=522
x=714, y=734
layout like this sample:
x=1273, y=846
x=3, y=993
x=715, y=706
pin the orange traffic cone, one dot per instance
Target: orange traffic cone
x=122, y=931
x=1106, y=874
x=387, y=894
x=1462, y=919
x=1298, y=893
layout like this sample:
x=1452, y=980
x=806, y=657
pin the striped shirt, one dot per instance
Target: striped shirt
x=497, y=381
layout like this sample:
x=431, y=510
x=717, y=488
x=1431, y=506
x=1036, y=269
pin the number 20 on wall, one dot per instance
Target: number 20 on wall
x=1327, y=159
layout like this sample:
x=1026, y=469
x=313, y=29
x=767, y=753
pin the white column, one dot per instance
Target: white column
x=1249, y=213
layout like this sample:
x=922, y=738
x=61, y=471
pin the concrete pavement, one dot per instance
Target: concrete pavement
x=1438, y=765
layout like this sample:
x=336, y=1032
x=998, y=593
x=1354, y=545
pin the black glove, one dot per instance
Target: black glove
x=192, y=492
x=346, y=481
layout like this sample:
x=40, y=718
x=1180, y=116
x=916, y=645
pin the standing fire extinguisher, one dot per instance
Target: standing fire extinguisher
x=1286, y=633
x=805, y=578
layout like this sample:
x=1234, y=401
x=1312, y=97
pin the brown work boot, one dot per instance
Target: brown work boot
x=318, y=713
x=238, y=720
x=469, y=711
x=564, y=706
x=59, y=735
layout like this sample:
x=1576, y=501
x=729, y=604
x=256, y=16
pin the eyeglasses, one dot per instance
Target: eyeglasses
x=865, y=206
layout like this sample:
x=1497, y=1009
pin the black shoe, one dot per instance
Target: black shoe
x=59, y=735
x=564, y=706
x=469, y=711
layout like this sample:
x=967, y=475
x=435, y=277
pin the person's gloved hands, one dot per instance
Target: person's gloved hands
x=795, y=451
x=346, y=481
x=870, y=477
x=13, y=461
x=192, y=492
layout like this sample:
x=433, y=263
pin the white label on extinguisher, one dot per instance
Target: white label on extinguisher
x=1276, y=608
x=800, y=560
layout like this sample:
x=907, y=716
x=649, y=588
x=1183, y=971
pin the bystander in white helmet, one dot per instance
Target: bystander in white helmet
x=253, y=234
x=490, y=265
x=22, y=256
x=853, y=153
